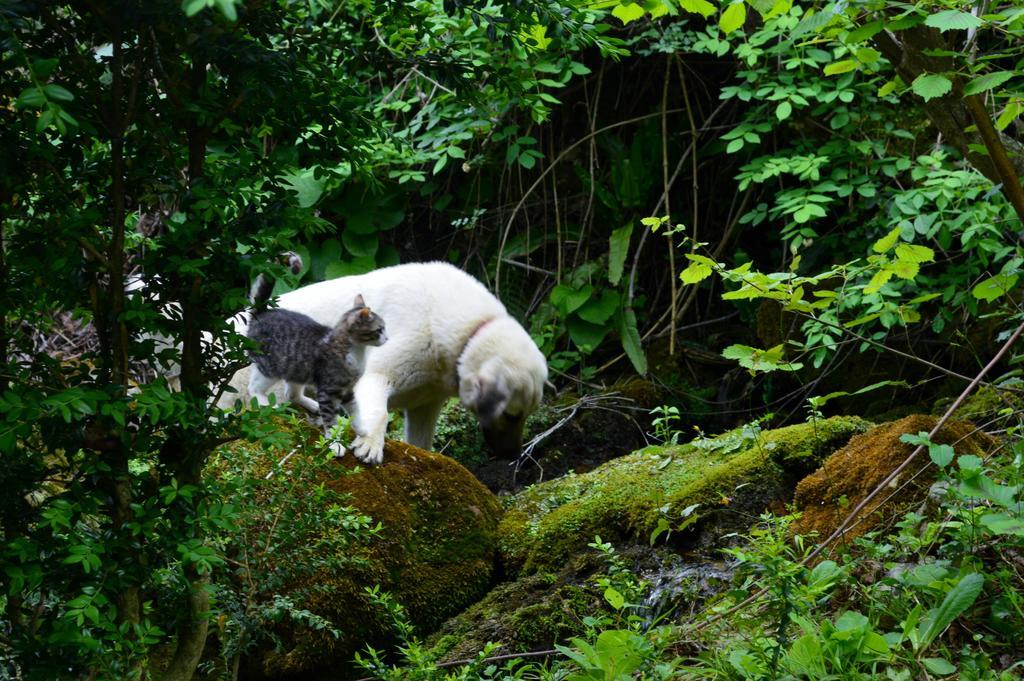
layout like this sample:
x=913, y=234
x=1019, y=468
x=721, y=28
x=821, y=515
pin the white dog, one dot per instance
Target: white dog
x=448, y=335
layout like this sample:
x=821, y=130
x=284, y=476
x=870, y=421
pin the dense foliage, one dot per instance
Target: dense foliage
x=854, y=164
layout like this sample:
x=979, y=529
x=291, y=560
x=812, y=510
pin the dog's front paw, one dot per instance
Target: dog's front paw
x=369, y=448
x=338, y=449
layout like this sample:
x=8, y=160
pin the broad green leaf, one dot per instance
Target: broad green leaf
x=630, y=335
x=305, y=184
x=733, y=17
x=994, y=287
x=694, y=273
x=844, y=66
x=880, y=279
x=1001, y=523
x=32, y=97
x=938, y=666
x=1010, y=113
x=760, y=360
x=618, y=248
x=931, y=85
x=701, y=7
x=889, y=87
x=628, y=13
x=887, y=241
x=959, y=598
x=904, y=269
x=614, y=598
x=868, y=55
x=585, y=335
x=805, y=657
x=941, y=455
x=568, y=299
x=57, y=92
x=987, y=82
x=914, y=253
x=862, y=33
x=360, y=245
x=783, y=110
x=345, y=268
x=599, y=310
x=953, y=20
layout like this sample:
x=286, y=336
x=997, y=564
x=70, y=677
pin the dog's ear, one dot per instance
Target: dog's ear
x=359, y=302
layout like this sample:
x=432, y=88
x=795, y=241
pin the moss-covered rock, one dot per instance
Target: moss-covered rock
x=848, y=476
x=435, y=554
x=730, y=476
x=985, y=405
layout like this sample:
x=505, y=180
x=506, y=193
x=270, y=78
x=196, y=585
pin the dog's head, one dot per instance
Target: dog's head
x=501, y=379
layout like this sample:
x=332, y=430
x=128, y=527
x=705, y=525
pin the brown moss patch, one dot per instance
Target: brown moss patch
x=826, y=496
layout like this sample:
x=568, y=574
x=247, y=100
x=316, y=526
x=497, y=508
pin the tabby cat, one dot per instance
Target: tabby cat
x=298, y=350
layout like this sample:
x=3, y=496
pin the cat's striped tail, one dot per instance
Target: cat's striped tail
x=264, y=285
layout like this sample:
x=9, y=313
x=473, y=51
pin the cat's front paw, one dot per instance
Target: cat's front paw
x=369, y=448
x=338, y=449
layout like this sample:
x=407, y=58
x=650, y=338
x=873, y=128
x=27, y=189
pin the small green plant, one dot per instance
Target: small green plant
x=664, y=424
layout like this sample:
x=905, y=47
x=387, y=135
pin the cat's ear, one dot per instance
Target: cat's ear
x=359, y=302
x=364, y=313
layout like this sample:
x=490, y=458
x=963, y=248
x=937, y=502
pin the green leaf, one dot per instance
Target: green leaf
x=938, y=666
x=838, y=67
x=914, y=253
x=887, y=241
x=360, y=245
x=57, y=92
x=889, y=87
x=931, y=85
x=701, y=7
x=867, y=55
x=303, y=183
x=904, y=269
x=959, y=598
x=862, y=33
x=599, y=310
x=695, y=272
x=630, y=336
x=880, y=279
x=760, y=360
x=628, y=13
x=941, y=455
x=568, y=299
x=994, y=287
x=733, y=17
x=585, y=335
x=614, y=598
x=987, y=82
x=953, y=20
x=783, y=110
x=618, y=249
x=345, y=268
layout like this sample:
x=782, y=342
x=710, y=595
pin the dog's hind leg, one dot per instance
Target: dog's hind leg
x=420, y=423
x=370, y=420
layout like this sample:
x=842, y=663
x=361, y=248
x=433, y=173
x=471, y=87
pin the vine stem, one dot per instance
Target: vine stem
x=852, y=515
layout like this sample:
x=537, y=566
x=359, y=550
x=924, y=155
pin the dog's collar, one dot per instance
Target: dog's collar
x=472, y=335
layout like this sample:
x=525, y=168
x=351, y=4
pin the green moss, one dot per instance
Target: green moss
x=624, y=498
x=531, y=612
x=435, y=554
x=983, y=405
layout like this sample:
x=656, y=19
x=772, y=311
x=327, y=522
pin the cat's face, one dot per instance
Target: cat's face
x=365, y=326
